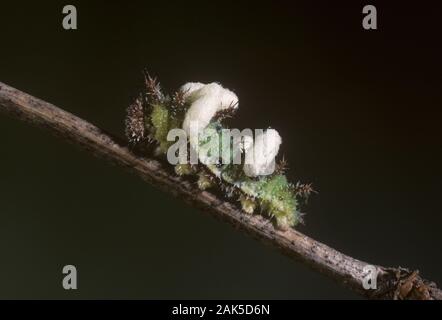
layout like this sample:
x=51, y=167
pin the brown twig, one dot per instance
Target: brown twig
x=392, y=283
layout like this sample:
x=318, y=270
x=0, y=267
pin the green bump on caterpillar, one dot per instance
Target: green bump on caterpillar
x=247, y=204
x=273, y=195
x=205, y=181
x=183, y=169
x=162, y=123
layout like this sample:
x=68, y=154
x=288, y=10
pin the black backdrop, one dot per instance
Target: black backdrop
x=359, y=113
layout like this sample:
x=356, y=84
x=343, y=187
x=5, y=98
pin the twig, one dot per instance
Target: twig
x=392, y=283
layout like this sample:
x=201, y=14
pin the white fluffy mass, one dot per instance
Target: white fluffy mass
x=260, y=160
x=206, y=100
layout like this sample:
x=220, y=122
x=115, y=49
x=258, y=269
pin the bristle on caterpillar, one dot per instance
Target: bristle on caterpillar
x=282, y=166
x=135, y=124
x=152, y=88
x=226, y=113
x=303, y=190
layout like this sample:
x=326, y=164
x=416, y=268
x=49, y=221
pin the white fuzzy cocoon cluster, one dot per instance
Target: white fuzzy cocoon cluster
x=260, y=160
x=205, y=101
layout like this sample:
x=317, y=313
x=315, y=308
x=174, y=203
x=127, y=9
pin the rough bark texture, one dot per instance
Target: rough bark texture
x=392, y=283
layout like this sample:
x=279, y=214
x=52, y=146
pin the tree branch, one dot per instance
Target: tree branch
x=392, y=283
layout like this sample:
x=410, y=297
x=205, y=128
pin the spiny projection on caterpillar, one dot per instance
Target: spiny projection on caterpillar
x=255, y=181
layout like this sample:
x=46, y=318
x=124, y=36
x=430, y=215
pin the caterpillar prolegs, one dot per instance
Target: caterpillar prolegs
x=251, y=181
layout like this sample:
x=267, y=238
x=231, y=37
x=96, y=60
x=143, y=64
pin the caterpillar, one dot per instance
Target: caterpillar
x=153, y=114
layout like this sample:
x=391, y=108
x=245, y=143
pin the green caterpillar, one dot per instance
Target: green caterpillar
x=153, y=114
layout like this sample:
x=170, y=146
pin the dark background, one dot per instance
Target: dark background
x=359, y=112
